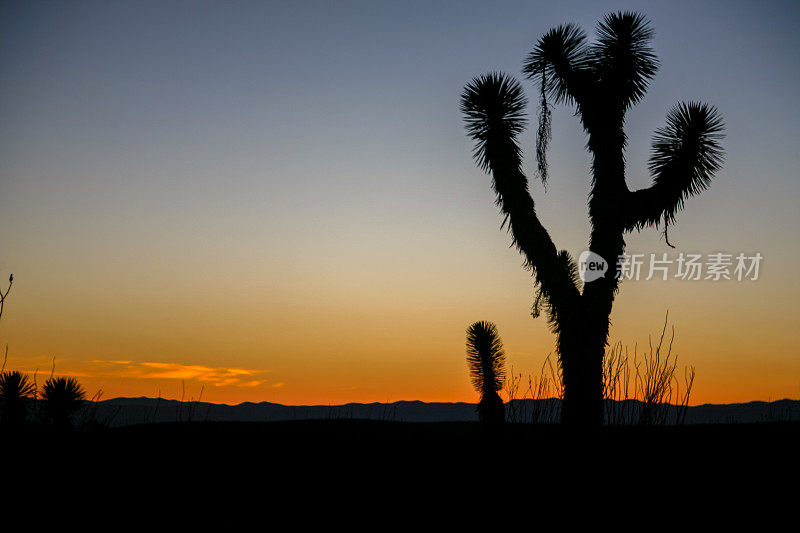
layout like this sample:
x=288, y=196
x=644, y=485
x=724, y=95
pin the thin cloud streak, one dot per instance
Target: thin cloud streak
x=217, y=376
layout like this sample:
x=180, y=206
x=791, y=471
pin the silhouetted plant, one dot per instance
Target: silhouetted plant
x=602, y=80
x=4, y=294
x=637, y=389
x=539, y=402
x=656, y=384
x=776, y=413
x=62, y=397
x=646, y=390
x=486, y=361
x=16, y=390
x=515, y=396
x=91, y=419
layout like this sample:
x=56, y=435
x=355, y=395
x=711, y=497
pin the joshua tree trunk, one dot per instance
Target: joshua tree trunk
x=602, y=81
x=582, y=367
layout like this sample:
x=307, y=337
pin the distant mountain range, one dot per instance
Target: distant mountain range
x=129, y=411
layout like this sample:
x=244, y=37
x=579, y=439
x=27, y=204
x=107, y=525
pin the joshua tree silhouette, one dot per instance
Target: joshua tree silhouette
x=62, y=398
x=603, y=80
x=15, y=390
x=486, y=361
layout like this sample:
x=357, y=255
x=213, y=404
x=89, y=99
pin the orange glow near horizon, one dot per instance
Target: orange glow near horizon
x=413, y=350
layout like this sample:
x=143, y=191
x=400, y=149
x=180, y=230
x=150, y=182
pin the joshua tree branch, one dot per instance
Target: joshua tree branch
x=553, y=271
x=531, y=237
x=558, y=62
x=623, y=58
x=685, y=156
x=494, y=108
x=648, y=207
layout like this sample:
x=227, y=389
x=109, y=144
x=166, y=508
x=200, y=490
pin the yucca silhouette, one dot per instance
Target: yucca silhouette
x=486, y=361
x=62, y=397
x=602, y=80
x=16, y=389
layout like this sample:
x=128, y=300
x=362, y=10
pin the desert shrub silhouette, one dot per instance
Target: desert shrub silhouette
x=639, y=387
x=16, y=391
x=16, y=388
x=486, y=361
x=62, y=398
x=3, y=295
x=539, y=402
x=602, y=80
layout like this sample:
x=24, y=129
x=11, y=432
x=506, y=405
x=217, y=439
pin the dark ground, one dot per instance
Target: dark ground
x=330, y=441
x=397, y=467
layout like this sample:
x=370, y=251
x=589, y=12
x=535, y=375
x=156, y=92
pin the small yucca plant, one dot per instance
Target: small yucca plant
x=15, y=391
x=486, y=361
x=62, y=397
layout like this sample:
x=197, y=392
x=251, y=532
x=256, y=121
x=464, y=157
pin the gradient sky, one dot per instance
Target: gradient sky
x=276, y=200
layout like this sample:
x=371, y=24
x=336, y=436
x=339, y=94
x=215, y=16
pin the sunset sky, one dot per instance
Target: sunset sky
x=277, y=200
